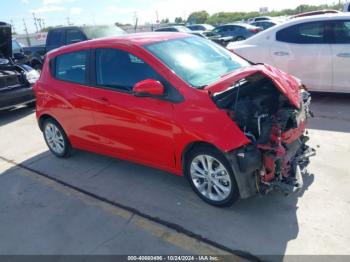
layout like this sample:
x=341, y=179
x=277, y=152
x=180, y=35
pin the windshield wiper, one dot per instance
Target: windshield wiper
x=201, y=87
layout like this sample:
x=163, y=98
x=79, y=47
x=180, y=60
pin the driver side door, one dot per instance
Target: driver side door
x=130, y=127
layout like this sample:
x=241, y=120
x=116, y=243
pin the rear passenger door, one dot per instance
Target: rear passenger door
x=303, y=50
x=70, y=102
x=340, y=44
x=131, y=127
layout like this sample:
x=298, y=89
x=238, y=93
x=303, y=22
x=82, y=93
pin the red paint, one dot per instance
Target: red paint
x=286, y=83
x=150, y=87
x=147, y=130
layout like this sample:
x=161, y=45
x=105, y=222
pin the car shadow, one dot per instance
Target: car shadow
x=331, y=112
x=261, y=226
x=14, y=114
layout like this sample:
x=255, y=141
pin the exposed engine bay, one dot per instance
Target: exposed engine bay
x=278, y=154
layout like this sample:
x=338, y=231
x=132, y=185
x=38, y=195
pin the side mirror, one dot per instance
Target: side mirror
x=148, y=87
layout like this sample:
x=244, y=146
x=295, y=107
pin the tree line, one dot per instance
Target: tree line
x=203, y=17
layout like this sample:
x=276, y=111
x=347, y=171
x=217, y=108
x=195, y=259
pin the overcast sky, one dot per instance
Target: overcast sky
x=55, y=12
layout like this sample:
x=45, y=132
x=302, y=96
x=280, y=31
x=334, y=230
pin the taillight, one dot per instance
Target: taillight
x=255, y=30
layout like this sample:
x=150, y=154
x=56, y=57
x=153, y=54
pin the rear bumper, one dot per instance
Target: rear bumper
x=16, y=97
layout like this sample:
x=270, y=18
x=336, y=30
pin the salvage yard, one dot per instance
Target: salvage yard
x=316, y=223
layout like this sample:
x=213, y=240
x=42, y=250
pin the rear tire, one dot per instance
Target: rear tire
x=211, y=177
x=56, y=139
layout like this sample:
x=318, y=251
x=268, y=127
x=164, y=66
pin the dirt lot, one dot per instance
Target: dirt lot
x=315, y=221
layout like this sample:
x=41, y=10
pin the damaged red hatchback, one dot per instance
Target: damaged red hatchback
x=182, y=104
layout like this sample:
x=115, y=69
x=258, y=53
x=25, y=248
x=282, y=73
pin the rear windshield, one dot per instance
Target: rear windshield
x=93, y=32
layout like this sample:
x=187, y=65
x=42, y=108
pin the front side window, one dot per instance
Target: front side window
x=341, y=32
x=71, y=67
x=198, y=61
x=121, y=70
x=16, y=48
x=306, y=33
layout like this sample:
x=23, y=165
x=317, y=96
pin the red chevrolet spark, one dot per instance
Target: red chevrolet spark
x=182, y=104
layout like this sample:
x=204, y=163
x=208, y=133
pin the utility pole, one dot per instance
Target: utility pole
x=35, y=23
x=157, y=17
x=136, y=19
x=68, y=20
x=26, y=30
x=13, y=27
x=39, y=22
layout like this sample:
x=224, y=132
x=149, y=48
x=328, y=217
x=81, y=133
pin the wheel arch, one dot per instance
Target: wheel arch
x=188, y=148
x=35, y=61
x=44, y=117
x=245, y=181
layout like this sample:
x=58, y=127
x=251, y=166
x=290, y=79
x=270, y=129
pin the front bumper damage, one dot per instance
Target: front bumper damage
x=279, y=164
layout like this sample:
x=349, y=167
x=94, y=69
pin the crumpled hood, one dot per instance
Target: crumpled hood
x=5, y=40
x=286, y=84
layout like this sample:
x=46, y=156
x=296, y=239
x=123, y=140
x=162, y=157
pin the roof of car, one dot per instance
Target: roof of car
x=266, y=34
x=135, y=39
x=239, y=24
x=322, y=17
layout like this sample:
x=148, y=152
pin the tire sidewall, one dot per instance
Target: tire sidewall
x=234, y=194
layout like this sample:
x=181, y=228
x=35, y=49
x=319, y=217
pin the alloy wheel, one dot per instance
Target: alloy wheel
x=210, y=177
x=54, y=138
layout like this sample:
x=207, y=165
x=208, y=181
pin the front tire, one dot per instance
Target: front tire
x=211, y=177
x=56, y=139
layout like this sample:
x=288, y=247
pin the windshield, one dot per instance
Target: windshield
x=197, y=61
x=16, y=48
x=93, y=32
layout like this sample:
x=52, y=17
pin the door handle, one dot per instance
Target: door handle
x=281, y=53
x=102, y=100
x=345, y=55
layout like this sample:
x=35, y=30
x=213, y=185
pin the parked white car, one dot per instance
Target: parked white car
x=346, y=7
x=315, y=49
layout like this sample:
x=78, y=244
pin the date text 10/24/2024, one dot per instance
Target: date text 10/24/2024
x=173, y=258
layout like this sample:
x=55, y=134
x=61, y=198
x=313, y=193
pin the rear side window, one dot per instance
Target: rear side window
x=121, y=70
x=55, y=39
x=75, y=36
x=71, y=67
x=306, y=33
x=341, y=32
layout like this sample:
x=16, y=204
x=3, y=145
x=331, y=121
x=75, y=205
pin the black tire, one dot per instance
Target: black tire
x=37, y=67
x=67, y=148
x=233, y=195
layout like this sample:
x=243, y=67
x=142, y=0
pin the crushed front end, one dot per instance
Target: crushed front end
x=275, y=122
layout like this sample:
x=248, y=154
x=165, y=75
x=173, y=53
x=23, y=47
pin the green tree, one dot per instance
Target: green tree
x=46, y=29
x=178, y=20
x=199, y=17
x=165, y=21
